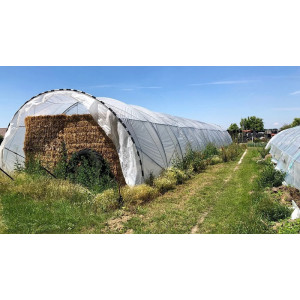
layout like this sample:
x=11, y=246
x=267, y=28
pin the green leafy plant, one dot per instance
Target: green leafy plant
x=89, y=169
x=210, y=150
x=192, y=160
x=270, y=177
x=231, y=152
x=271, y=210
x=263, y=152
x=290, y=227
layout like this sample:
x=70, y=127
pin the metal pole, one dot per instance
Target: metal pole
x=6, y=174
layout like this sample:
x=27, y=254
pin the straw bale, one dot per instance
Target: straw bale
x=45, y=136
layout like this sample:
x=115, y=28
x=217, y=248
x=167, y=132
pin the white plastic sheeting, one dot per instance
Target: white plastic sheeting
x=147, y=142
x=285, y=150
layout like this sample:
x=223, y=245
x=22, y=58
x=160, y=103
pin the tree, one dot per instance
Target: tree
x=233, y=130
x=296, y=122
x=285, y=126
x=233, y=127
x=252, y=123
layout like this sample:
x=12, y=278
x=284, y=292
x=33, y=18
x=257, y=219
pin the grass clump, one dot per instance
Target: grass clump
x=164, y=184
x=216, y=160
x=5, y=183
x=107, y=200
x=41, y=188
x=176, y=174
x=138, y=194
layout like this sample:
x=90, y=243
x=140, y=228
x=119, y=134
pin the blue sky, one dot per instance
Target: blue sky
x=220, y=95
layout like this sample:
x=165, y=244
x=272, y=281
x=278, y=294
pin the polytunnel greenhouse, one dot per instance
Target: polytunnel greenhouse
x=135, y=140
x=285, y=151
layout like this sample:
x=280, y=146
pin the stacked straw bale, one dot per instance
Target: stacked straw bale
x=45, y=136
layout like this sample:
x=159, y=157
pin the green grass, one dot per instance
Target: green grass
x=234, y=211
x=218, y=200
x=29, y=216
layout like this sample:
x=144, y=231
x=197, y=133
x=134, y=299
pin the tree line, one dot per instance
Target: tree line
x=257, y=124
x=249, y=123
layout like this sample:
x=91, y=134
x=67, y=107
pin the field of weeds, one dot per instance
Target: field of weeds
x=207, y=192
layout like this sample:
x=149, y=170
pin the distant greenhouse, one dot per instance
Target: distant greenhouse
x=285, y=149
x=134, y=140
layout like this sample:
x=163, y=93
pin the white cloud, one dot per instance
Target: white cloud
x=223, y=82
x=295, y=93
x=276, y=124
x=127, y=90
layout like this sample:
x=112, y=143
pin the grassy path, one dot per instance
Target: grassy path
x=215, y=201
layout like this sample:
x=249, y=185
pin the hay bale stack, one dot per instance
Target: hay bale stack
x=45, y=136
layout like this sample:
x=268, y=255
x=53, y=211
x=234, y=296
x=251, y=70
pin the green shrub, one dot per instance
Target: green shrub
x=270, y=177
x=89, y=169
x=198, y=164
x=231, y=152
x=92, y=177
x=271, y=210
x=192, y=161
x=263, y=152
x=150, y=179
x=210, y=150
x=85, y=167
x=32, y=166
x=264, y=203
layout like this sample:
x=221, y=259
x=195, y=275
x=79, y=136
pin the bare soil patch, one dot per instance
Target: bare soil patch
x=287, y=194
x=118, y=223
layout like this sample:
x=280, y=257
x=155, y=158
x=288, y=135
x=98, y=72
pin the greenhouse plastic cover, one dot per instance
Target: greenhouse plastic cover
x=285, y=150
x=147, y=142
